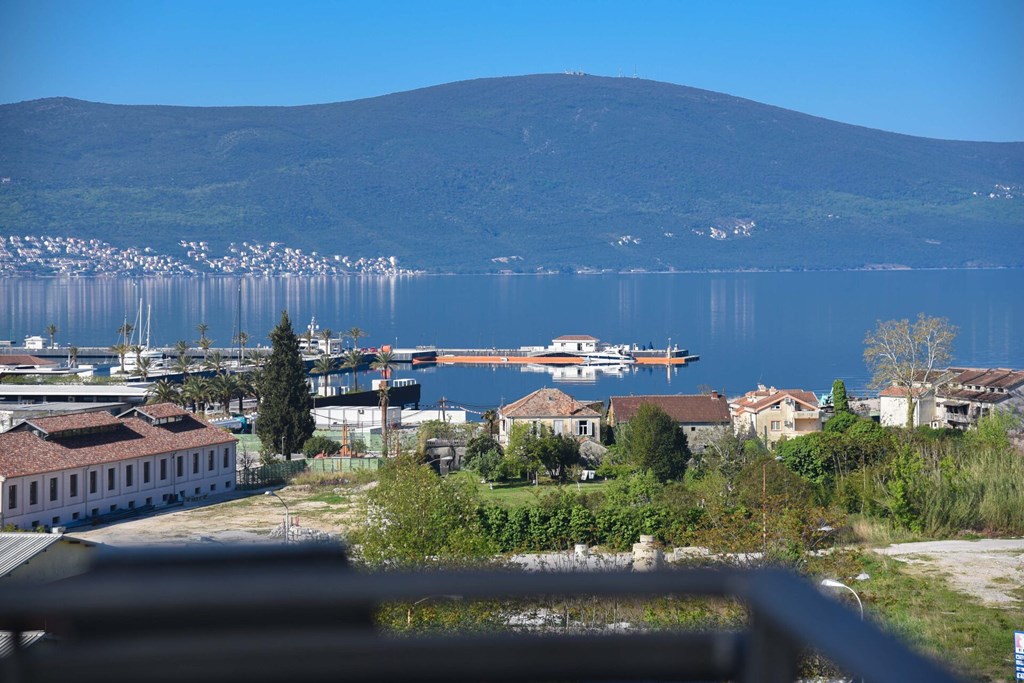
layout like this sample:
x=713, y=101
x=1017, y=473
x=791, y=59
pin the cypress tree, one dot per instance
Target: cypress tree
x=285, y=421
x=840, y=401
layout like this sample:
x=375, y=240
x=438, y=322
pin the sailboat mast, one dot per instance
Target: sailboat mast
x=149, y=312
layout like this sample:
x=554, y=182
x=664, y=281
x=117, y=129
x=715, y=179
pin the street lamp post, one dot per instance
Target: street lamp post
x=832, y=583
x=287, y=515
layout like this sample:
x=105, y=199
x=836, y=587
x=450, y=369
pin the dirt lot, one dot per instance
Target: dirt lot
x=245, y=518
x=988, y=569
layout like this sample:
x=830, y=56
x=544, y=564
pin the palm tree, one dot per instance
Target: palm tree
x=324, y=365
x=51, y=330
x=326, y=335
x=215, y=361
x=196, y=392
x=136, y=351
x=256, y=358
x=222, y=388
x=120, y=350
x=205, y=345
x=201, y=328
x=143, y=366
x=355, y=333
x=383, y=361
x=353, y=359
x=125, y=330
x=73, y=355
x=242, y=338
x=491, y=418
x=181, y=347
x=246, y=386
x=183, y=364
x=252, y=383
x=163, y=391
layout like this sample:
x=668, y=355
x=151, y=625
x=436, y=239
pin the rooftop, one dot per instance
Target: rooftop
x=24, y=452
x=700, y=408
x=548, y=403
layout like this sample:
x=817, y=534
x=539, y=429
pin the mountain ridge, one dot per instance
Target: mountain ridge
x=546, y=172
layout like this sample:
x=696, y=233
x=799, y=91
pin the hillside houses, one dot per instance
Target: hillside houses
x=956, y=398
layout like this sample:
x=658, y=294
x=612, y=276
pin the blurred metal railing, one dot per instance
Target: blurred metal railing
x=301, y=614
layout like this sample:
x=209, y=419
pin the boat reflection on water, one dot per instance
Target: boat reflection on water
x=580, y=374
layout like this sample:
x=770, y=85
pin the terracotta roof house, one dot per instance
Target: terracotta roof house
x=771, y=413
x=552, y=408
x=702, y=417
x=892, y=405
x=65, y=470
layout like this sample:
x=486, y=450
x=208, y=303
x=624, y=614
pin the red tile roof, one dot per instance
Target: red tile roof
x=547, y=403
x=25, y=453
x=756, y=401
x=67, y=423
x=13, y=360
x=702, y=408
x=160, y=411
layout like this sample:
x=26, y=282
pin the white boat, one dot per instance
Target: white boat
x=609, y=356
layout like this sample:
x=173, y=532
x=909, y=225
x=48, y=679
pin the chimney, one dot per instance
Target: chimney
x=714, y=394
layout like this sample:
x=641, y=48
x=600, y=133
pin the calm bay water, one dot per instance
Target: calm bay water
x=796, y=330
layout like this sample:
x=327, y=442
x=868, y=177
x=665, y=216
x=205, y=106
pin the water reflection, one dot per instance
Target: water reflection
x=792, y=329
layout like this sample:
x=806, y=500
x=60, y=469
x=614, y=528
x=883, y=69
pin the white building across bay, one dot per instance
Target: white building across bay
x=67, y=469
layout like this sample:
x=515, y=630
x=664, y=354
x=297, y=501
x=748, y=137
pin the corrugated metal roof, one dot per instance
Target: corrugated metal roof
x=27, y=639
x=18, y=548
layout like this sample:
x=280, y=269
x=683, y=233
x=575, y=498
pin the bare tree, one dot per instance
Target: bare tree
x=908, y=354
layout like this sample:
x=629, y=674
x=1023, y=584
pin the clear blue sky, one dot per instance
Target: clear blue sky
x=924, y=67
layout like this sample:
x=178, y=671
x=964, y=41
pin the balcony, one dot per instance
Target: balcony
x=806, y=414
x=274, y=614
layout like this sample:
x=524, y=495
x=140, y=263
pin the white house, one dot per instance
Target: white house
x=57, y=471
x=575, y=343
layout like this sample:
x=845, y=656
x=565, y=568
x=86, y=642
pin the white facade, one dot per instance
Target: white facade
x=79, y=493
x=363, y=419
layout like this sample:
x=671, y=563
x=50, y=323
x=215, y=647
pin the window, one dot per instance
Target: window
x=181, y=465
x=131, y=504
x=12, y=497
x=33, y=493
x=583, y=428
x=209, y=461
x=226, y=451
x=163, y=468
x=53, y=489
x=145, y=472
x=55, y=520
x=198, y=490
x=558, y=427
x=128, y=475
x=776, y=425
x=92, y=481
x=227, y=484
x=195, y=463
x=149, y=501
x=73, y=485
x=113, y=507
x=111, y=479
x=74, y=515
x=777, y=406
x=95, y=512
x=213, y=487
